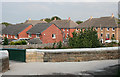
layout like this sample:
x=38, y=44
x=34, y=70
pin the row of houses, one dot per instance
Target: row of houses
x=59, y=30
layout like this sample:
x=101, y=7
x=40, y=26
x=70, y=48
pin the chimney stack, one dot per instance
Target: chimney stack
x=91, y=17
x=29, y=19
x=43, y=19
x=112, y=15
x=69, y=18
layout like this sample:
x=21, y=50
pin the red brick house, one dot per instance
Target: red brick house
x=106, y=27
x=67, y=26
x=46, y=32
x=17, y=31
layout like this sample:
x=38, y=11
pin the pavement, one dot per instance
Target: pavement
x=49, y=68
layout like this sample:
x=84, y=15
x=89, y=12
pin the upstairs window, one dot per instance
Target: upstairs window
x=63, y=29
x=53, y=36
x=77, y=29
x=107, y=29
x=113, y=29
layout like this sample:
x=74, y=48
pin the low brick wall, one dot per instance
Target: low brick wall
x=71, y=55
x=31, y=46
x=4, y=61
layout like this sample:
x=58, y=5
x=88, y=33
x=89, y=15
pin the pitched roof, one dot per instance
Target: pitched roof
x=2, y=26
x=99, y=22
x=64, y=23
x=35, y=41
x=34, y=22
x=39, y=28
x=15, y=29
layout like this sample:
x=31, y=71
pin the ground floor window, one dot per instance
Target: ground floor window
x=15, y=36
x=113, y=35
x=29, y=35
x=108, y=36
x=37, y=35
x=101, y=34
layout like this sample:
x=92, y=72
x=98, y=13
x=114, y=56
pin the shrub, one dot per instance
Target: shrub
x=5, y=41
x=23, y=42
x=53, y=45
x=86, y=39
x=59, y=45
x=12, y=43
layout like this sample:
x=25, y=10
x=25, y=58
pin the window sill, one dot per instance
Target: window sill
x=54, y=38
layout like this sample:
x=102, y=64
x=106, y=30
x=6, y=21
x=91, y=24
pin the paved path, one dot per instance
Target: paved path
x=40, y=68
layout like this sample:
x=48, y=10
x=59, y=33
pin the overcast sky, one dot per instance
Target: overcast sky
x=16, y=12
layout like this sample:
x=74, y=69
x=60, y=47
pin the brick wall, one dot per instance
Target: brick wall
x=71, y=55
x=31, y=46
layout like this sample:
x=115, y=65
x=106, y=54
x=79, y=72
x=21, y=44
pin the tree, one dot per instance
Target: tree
x=6, y=23
x=57, y=18
x=48, y=20
x=86, y=39
x=5, y=41
x=79, y=22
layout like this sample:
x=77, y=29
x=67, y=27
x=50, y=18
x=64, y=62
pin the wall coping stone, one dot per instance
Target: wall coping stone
x=74, y=50
x=3, y=54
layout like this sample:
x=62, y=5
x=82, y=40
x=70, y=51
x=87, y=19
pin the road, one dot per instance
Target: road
x=45, y=68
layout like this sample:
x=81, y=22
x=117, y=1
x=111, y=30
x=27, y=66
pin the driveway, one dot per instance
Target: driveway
x=45, y=68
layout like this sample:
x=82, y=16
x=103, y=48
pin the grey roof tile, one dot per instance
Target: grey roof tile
x=99, y=22
x=34, y=22
x=14, y=29
x=39, y=28
x=64, y=23
x=35, y=41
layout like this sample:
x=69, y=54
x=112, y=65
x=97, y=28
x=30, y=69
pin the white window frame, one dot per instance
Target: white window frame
x=107, y=34
x=108, y=29
x=112, y=35
x=96, y=28
x=29, y=35
x=102, y=35
x=67, y=30
x=77, y=29
x=113, y=30
x=37, y=36
x=67, y=34
x=16, y=37
x=53, y=36
x=11, y=36
x=101, y=29
x=7, y=35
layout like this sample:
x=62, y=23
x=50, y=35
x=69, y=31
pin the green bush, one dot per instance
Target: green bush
x=59, y=45
x=5, y=41
x=23, y=42
x=86, y=39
